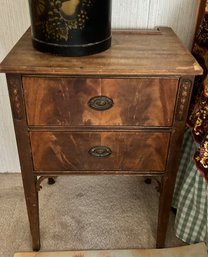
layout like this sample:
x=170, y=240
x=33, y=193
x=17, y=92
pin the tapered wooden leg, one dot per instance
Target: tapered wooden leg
x=168, y=181
x=31, y=197
x=164, y=211
x=23, y=144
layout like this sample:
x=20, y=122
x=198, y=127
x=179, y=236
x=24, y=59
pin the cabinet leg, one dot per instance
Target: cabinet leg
x=24, y=149
x=32, y=203
x=165, y=201
x=148, y=181
x=51, y=180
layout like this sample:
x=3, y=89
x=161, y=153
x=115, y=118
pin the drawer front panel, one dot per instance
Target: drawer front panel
x=99, y=102
x=93, y=151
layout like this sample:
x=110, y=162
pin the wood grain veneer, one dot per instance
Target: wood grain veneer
x=69, y=151
x=64, y=101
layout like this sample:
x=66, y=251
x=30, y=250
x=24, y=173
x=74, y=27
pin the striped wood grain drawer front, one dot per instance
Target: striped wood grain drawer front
x=99, y=151
x=130, y=102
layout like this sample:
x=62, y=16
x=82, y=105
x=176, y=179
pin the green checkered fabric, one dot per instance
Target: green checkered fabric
x=190, y=197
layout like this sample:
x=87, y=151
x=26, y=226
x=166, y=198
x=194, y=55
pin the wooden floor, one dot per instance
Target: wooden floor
x=184, y=251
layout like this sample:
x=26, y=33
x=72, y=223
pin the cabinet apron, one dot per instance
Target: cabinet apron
x=71, y=27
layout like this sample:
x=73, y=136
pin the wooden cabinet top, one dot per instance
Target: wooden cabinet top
x=133, y=53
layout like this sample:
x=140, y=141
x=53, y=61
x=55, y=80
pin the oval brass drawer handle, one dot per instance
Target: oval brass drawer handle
x=100, y=151
x=100, y=103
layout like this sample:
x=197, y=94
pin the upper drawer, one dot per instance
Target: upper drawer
x=77, y=101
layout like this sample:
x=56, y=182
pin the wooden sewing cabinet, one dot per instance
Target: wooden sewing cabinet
x=119, y=112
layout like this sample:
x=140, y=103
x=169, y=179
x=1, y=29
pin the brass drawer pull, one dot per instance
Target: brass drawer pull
x=100, y=151
x=100, y=103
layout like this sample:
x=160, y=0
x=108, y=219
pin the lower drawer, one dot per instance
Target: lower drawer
x=99, y=151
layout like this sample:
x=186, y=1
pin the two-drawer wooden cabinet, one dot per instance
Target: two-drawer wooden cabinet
x=95, y=102
x=119, y=112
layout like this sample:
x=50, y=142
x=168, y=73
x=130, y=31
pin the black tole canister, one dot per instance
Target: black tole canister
x=71, y=27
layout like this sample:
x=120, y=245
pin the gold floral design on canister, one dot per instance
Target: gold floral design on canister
x=58, y=17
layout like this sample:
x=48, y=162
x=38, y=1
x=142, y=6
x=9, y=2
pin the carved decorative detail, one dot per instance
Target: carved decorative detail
x=183, y=99
x=40, y=180
x=15, y=97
